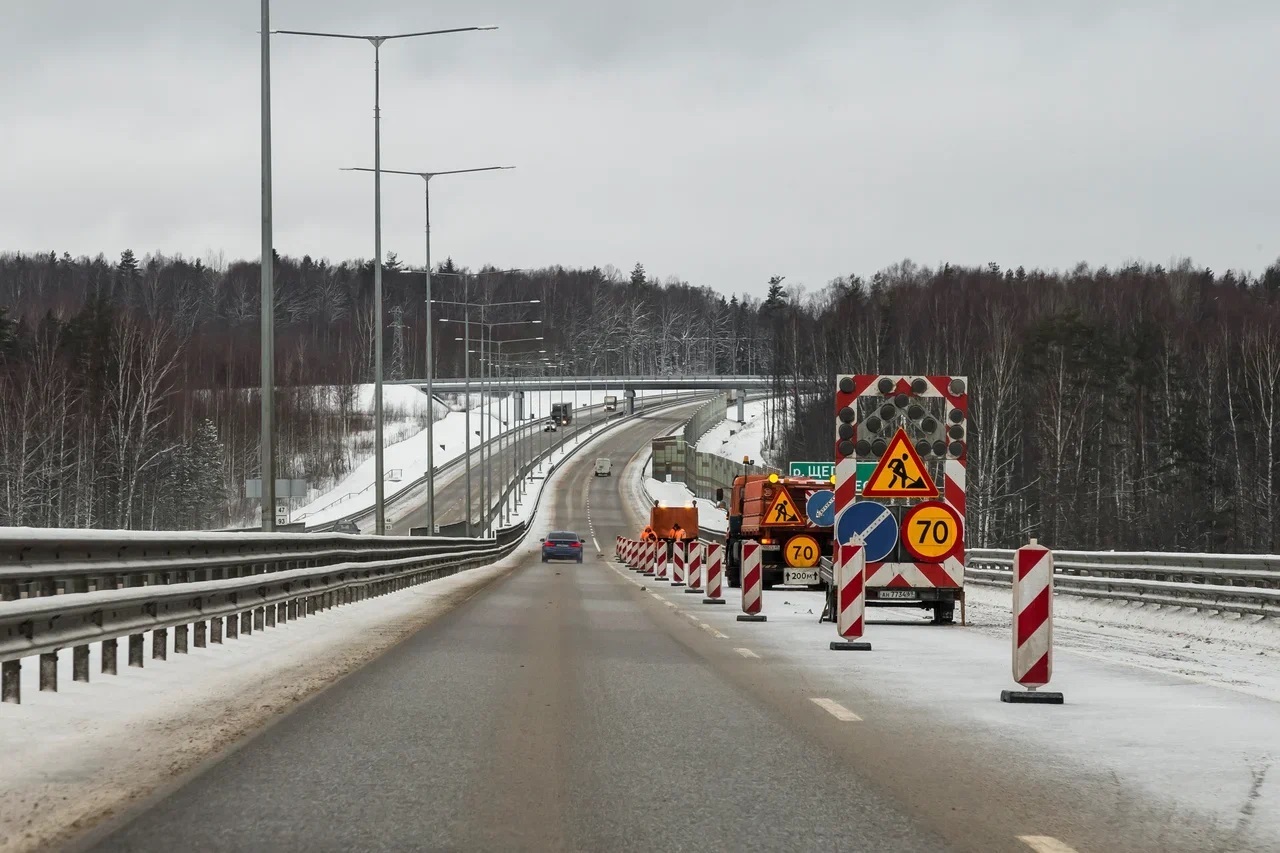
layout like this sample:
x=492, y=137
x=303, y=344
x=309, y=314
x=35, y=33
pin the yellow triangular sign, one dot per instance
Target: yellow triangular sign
x=783, y=511
x=901, y=473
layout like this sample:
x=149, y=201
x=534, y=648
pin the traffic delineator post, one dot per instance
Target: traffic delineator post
x=664, y=560
x=851, y=604
x=650, y=562
x=679, y=556
x=693, y=568
x=617, y=549
x=1032, y=626
x=714, y=572
x=752, y=583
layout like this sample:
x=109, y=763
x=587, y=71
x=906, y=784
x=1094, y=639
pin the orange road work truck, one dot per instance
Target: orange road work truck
x=771, y=510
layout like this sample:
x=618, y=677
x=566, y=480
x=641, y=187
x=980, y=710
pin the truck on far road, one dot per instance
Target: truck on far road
x=562, y=413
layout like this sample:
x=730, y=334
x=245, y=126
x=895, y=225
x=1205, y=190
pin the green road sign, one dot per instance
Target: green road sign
x=826, y=470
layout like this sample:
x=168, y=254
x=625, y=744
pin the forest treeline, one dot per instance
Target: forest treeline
x=128, y=387
x=1133, y=408
x=1136, y=407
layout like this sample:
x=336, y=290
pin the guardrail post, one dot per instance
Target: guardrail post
x=11, y=681
x=215, y=630
x=180, y=640
x=259, y=618
x=233, y=627
x=200, y=628
x=49, y=672
x=80, y=664
x=246, y=622
x=109, y=649
x=135, y=650
x=160, y=644
x=270, y=613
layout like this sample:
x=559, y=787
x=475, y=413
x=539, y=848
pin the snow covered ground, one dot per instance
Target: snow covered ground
x=406, y=460
x=747, y=440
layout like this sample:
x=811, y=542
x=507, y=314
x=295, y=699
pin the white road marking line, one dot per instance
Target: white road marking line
x=712, y=631
x=668, y=603
x=655, y=595
x=836, y=710
x=692, y=618
x=747, y=653
x=1045, y=844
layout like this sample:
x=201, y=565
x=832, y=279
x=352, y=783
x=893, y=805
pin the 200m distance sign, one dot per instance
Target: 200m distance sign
x=931, y=531
x=874, y=523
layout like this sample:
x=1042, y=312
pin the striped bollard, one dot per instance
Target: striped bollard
x=1032, y=625
x=663, y=561
x=752, y=583
x=644, y=562
x=693, y=569
x=631, y=553
x=650, y=559
x=714, y=572
x=851, y=596
x=617, y=549
x=679, y=556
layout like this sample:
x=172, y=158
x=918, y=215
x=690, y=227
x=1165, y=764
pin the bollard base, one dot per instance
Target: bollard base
x=850, y=646
x=649, y=574
x=677, y=583
x=695, y=590
x=752, y=617
x=1031, y=697
x=713, y=601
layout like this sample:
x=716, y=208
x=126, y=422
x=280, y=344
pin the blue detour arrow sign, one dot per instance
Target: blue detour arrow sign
x=821, y=508
x=874, y=523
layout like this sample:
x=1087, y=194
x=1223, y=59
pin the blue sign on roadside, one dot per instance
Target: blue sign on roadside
x=874, y=523
x=821, y=508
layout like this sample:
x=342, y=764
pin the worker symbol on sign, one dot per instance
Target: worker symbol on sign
x=783, y=511
x=898, y=467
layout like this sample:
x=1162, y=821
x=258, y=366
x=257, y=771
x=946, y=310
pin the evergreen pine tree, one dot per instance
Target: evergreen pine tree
x=638, y=275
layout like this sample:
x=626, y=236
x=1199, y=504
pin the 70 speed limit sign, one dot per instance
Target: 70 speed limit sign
x=931, y=531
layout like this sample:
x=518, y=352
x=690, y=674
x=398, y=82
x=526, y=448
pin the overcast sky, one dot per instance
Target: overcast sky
x=722, y=141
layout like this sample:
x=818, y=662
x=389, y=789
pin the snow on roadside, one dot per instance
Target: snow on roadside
x=747, y=439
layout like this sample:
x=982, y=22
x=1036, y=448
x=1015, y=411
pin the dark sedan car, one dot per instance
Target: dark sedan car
x=562, y=545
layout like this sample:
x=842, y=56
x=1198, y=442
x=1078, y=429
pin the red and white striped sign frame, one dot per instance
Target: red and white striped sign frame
x=714, y=570
x=1033, y=616
x=851, y=596
x=693, y=568
x=948, y=574
x=752, y=577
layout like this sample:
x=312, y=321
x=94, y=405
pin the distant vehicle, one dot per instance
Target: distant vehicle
x=562, y=545
x=604, y=467
x=562, y=413
x=345, y=527
x=611, y=403
x=550, y=427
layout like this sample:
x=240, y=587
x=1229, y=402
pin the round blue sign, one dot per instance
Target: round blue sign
x=820, y=508
x=874, y=523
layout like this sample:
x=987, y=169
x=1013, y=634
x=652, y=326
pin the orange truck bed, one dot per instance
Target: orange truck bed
x=664, y=518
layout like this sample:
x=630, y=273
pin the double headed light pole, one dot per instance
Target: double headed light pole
x=377, y=42
x=430, y=361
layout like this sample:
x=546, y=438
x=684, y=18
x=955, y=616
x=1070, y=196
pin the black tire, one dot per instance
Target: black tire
x=579, y=561
x=544, y=559
x=733, y=578
x=944, y=613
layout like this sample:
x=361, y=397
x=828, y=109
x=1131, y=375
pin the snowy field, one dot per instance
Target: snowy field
x=1180, y=706
x=76, y=755
x=747, y=440
x=405, y=460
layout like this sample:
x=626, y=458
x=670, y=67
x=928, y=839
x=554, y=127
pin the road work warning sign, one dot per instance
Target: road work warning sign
x=783, y=510
x=901, y=473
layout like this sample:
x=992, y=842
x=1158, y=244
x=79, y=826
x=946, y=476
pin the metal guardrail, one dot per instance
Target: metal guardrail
x=1234, y=583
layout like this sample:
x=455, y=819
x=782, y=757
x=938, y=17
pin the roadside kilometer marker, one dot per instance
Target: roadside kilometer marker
x=901, y=473
x=931, y=531
x=837, y=710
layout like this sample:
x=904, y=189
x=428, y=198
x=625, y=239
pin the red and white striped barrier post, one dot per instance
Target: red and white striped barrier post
x=1032, y=625
x=752, y=583
x=633, y=554
x=851, y=596
x=714, y=572
x=663, y=561
x=617, y=549
x=693, y=569
x=649, y=565
x=679, y=555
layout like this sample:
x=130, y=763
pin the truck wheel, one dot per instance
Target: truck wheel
x=944, y=613
x=733, y=578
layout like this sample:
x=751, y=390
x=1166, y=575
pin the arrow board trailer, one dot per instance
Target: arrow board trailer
x=915, y=431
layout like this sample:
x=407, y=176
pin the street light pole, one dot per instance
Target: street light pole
x=380, y=509
x=267, y=438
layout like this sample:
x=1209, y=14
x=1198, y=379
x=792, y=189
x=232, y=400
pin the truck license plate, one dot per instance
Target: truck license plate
x=908, y=594
x=800, y=576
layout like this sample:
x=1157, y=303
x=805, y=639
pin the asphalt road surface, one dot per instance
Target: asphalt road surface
x=565, y=707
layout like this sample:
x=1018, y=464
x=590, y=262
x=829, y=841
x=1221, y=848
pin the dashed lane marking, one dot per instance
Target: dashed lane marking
x=712, y=631
x=836, y=710
x=747, y=653
x=1045, y=844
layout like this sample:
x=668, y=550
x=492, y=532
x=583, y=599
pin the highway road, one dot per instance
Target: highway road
x=575, y=707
